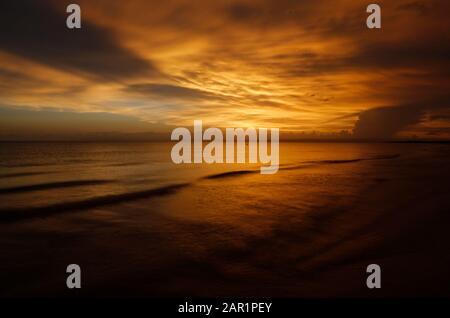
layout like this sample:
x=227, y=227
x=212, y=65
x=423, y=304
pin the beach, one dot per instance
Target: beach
x=138, y=225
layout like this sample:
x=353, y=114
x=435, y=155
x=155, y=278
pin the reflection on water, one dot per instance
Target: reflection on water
x=35, y=174
x=221, y=229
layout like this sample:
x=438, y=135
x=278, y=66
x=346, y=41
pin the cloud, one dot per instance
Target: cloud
x=428, y=55
x=36, y=30
x=420, y=7
x=387, y=122
x=18, y=123
x=168, y=91
x=302, y=66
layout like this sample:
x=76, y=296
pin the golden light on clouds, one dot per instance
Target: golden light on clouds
x=302, y=66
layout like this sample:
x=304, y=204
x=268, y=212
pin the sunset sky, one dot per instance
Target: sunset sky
x=303, y=66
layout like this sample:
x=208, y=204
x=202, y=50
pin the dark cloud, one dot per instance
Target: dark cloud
x=416, y=6
x=169, y=91
x=37, y=30
x=21, y=123
x=386, y=122
x=242, y=12
x=445, y=117
x=8, y=76
x=270, y=13
x=430, y=55
x=13, y=81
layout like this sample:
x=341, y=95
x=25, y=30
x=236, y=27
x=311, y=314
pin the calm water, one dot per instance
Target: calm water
x=140, y=225
x=67, y=172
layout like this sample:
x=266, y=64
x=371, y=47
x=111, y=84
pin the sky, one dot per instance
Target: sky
x=310, y=68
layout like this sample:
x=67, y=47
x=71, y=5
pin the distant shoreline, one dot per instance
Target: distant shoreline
x=281, y=141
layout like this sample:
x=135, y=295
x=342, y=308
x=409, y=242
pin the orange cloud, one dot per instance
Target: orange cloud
x=302, y=66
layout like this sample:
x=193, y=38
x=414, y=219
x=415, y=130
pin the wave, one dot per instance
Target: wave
x=229, y=174
x=303, y=165
x=52, y=185
x=49, y=164
x=382, y=157
x=24, y=165
x=17, y=214
x=23, y=174
x=125, y=164
x=339, y=161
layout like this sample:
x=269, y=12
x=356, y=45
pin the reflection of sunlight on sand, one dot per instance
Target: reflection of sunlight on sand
x=252, y=203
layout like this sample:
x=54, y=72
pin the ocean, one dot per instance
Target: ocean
x=139, y=225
